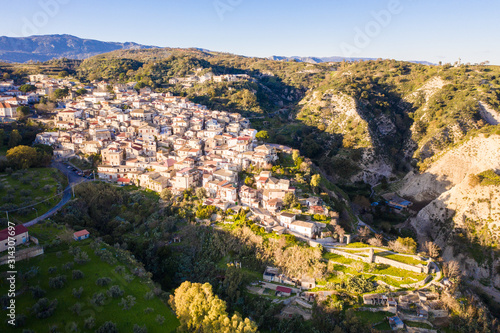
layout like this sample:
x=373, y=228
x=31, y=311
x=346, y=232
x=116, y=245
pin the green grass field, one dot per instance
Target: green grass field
x=23, y=188
x=96, y=268
x=373, y=317
x=400, y=258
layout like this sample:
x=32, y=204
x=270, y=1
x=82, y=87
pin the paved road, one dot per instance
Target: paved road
x=73, y=179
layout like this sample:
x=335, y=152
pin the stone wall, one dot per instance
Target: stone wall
x=349, y=255
x=23, y=254
x=419, y=330
x=379, y=309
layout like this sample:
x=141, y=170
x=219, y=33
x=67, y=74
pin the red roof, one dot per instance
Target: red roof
x=81, y=233
x=284, y=289
x=123, y=180
x=18, y=229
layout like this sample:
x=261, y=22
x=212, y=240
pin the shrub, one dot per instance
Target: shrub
x=98, y=299
x=77, y=293
x=160, y=319
x=140, y=329
x=37, y=292
x=76, y=308
x=81, y=257
x=52, y=270
x=77, y=274
x=128, y=302
x=120, y=269
x=107, y=327
x=44, y=308
x=89, y=323
x=72, y=327
x=20, y=320
x=115, y=292
x=104, y=281
x=67, y=266
x=149, y=295
x=57, y=282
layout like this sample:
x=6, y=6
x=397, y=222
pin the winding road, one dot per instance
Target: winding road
x=73, y=180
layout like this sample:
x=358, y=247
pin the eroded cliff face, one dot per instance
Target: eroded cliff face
x=340, y=114
x=452, y=167
x=463, y=217
x=458, y=217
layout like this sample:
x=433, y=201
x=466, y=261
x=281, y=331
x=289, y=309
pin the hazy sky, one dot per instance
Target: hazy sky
x=437, y=30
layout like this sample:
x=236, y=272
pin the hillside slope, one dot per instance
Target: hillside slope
x=452, y=168
x=464, y=210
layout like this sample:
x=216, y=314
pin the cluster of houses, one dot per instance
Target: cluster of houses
x=415, y=305
x=11, y=98
x=188, y=81
x=158, y=141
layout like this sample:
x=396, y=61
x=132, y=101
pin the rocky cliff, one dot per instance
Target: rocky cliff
x=463, y=217
x=452, y=167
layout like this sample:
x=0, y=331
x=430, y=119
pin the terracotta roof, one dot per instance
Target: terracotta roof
x=18, y=229
x=81, y=233
x=283, y=289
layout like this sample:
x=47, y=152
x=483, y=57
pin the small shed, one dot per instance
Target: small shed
x=80, y=235
x=284, y=291
x=396, y=323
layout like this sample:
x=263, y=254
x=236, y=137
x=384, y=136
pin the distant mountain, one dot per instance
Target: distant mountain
x=46, y=47
x=318, y=60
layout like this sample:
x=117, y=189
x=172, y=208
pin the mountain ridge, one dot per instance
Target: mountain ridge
x=54, y=46
x=47, y=47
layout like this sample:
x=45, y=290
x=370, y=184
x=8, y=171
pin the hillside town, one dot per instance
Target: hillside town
x=160, y=142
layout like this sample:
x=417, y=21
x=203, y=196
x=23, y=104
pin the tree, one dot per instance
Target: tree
x=295, y=155
x=26, y=88
x=22, y=157
x=315, y=180
x=140, y=329
x=81, y=91
x=44, y=308
x=364, y=232
x=340, y=232
x=166, y=194
x=248, y=181
x=23, y=111
x=404, y=245
x=262, y=135
x=2, y=136
x=199, y=310
x=14, y=138
x=61, y=93
x=201, y=193
x=431, y=249
x=290, y=200
x=452, y=270
x=107, y=327
x=376, y=241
